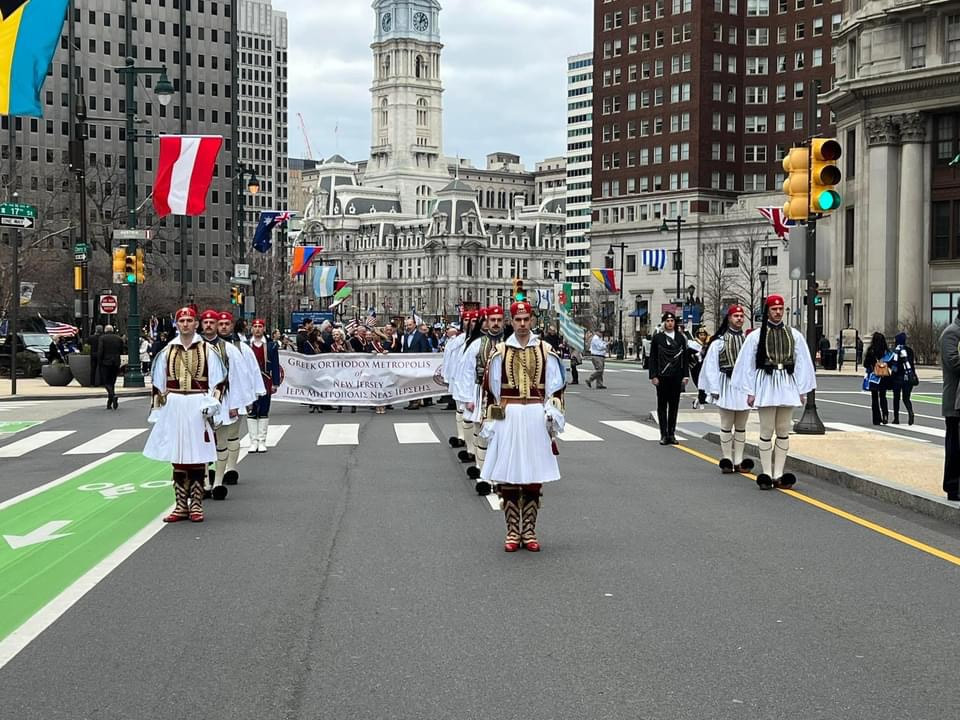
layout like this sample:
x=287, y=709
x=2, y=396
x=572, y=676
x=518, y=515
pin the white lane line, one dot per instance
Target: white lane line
x=867, y=407
x=932, y=432
x=340, y=434
x=46, y=616
x=571, y=433
x=494, y=500
x=35, y=441
x=106, y=442
x=847, y=427
x=414, y=433
x=640, y=430
x=618, y=395
x=275, y=434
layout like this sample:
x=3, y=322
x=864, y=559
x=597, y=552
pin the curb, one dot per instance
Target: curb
x=918, y=501
x=75, y=396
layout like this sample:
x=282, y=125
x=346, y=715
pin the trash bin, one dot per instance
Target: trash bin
x=828, y=359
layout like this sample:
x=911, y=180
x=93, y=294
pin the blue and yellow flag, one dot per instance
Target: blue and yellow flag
x=29, y=31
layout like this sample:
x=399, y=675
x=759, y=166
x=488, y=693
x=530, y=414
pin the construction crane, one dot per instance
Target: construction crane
x=303, y=129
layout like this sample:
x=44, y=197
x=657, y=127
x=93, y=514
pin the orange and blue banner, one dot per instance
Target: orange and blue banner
x=302, y=257
x=607, y=277
x=29, y=31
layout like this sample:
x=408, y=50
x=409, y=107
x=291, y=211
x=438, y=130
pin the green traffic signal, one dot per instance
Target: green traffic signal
x=828, y=200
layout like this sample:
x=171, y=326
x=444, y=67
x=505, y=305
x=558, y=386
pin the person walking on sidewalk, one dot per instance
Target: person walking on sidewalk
x=904, y=378
x=669, y=367
x=950, y=406
x=109, y=360
x=598, y=356
x=776, y=372
x=878, y=363
x=721, y=357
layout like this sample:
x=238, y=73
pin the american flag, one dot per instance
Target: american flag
x=781, y=224
x=371, y=320
x=351, y=326
x=59, y=329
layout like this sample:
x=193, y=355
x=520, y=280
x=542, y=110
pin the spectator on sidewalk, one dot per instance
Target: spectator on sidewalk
x=879, y=366
x=950, y=406
x=904, y=378
x=109, y=360
x=859, y=357
x=840, y=352
x=823, y=346
x=598, y=356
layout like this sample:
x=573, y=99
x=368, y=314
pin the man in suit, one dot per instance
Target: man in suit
x=414, y=341
x=950, y=408
x=94, y=354
x=109, y=359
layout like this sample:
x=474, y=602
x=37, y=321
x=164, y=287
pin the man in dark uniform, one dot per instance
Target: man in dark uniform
x=950, y=408
x=668, y=373
x=109, y=360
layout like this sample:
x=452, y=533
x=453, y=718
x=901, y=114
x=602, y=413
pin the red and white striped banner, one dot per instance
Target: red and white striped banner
x=184, y=173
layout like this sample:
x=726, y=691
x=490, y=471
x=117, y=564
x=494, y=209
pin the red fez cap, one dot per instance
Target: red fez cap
x=494, y=310
x=483, y=312
x=520, y=307
x=775, y=301
x=734, y=309
x=186, y=312
x=258, y=321
x=209, y=315
x=225, y=316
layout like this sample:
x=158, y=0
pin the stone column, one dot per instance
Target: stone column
x=878, y=285
x=911, y=259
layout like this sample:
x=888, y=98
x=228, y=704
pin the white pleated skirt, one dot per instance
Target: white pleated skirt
x=520, y=450
x=776, y=389
x=180, y=433
x=730, y=398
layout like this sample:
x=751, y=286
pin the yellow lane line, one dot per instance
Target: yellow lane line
x=892, y=534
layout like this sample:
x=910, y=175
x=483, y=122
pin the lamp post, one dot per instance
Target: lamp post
x=244, y=172
x=763, y=275
x=665, y=227
x=609, y=256
x=164, y=93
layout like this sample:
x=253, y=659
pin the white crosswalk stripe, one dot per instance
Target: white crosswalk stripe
x=340, y=434
x=414, y=433
x=33, y=442
x=638, y=429
x=275, y=434
x=106, y=442
x=571, y=433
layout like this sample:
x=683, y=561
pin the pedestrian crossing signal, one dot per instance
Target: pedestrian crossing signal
x=130, y=269
x=519, y=294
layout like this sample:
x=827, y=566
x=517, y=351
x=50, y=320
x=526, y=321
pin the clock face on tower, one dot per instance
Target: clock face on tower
x=386, y=22
x=420, y=22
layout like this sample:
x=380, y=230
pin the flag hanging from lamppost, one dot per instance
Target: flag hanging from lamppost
x=29, y=31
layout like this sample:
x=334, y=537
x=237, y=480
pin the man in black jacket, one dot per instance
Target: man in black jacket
x=94, y=354
x=414, y=341
x=109, y=359
x=950, y=409
x=668, y=373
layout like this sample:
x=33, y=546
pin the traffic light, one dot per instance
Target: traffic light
x=119, y=263
x=518, y=292
x=130, y=269
x=236, y=295
x=825, y=175
x=141, y=267
x=795, y=187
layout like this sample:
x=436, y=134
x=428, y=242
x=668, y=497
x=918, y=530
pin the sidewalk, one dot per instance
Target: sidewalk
x=37, y=389
x=903, y=470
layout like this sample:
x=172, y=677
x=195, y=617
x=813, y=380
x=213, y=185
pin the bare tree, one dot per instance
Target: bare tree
x=748, y=245
x=922, y=335
x=718, y=283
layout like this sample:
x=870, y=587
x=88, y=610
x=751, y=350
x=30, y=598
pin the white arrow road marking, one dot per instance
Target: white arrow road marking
x=43, y=533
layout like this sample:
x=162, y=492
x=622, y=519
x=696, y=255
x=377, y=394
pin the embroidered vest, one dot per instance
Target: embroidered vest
x=488, y=346
x=780, y=348
x=524, y=372
x=187, y=368
x=732, y=343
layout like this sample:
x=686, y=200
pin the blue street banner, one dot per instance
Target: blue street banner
x=29, y=31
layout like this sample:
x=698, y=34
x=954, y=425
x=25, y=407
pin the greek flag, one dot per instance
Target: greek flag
x=572, y=333
x=654, y=258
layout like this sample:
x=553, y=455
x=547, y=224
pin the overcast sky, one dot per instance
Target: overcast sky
x=503, y=69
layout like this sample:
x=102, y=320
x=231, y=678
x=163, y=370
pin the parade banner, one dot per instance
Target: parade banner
x=356, y=379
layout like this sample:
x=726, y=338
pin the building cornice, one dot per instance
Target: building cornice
x=895, y=83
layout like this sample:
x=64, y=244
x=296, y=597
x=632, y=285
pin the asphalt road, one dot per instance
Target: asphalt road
x=368, y=581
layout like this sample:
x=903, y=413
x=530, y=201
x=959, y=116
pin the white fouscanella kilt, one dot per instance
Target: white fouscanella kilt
x=180, y=433
x=520, y=450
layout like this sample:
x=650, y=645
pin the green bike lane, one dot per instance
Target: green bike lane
x=58, y=540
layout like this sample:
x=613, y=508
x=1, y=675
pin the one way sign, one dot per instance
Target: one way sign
x=21, y=222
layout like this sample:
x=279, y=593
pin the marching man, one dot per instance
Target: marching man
x=188, y=379
x=266, y=354
x=452, y=352
x=476, y=407
x=464, y=385
x=722, y=353
x=775, y=371
x=525, y=383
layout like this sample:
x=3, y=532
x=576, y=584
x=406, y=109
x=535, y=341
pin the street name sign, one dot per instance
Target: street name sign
x=240, y=281
x=241, y=270
x=18, y=210
x=131, y=234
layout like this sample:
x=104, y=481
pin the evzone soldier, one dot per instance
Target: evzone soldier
x=267, y=357
x=188, y=379
x=525, y=383
x=475, y=410
x=465, y=384
x=452, y=353
x=775, y=371
x=715, y=380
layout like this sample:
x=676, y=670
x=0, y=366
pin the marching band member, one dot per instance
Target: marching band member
x=715, y=377
x=774, y=369
x=474, y=411
x=266, y=354
x=525, y=383
x=188, y=379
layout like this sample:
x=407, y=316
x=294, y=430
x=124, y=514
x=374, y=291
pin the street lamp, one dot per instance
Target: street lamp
x=609, y=257
x=763, y=275
x=164, y=93
x=248, y=174
x=665, y=227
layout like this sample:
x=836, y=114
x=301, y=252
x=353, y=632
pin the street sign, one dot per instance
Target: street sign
x=18, y=210
x=131, y=234
x=240, y=281
x=241, y=270
x=108, y=304
x=21, y=222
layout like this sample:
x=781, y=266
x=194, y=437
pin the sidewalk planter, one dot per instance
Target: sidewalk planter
x=57, y=374
x=80, y=365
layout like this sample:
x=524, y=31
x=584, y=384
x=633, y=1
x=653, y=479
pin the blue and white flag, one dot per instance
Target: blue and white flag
x=655, y=258
x=544, y=299
x=263, y=236
x=323, y=280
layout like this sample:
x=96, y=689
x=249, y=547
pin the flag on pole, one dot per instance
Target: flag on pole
x=323, y=279
x=302, y=256
x=655, y=258
x=263, y=237
x=59, y=329
x=340, y=296
x=781, y=223
x=544, y=299
x=371, y=320
x=29, y=31
x=607, y=278
x=184, y=173
x=413, y=313
x=573, y=334
x=563, y=292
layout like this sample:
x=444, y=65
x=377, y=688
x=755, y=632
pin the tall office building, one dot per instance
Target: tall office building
x=579, y=173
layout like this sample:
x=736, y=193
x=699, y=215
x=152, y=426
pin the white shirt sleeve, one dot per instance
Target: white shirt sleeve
x=158, y=371
x=804, y=374
x=555, y=376
x=494, y=375
x=745, y=371
x=710, y=372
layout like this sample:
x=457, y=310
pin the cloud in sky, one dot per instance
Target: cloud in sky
x=503, y=70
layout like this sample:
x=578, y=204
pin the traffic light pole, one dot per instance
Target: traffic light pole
x=15, y=293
